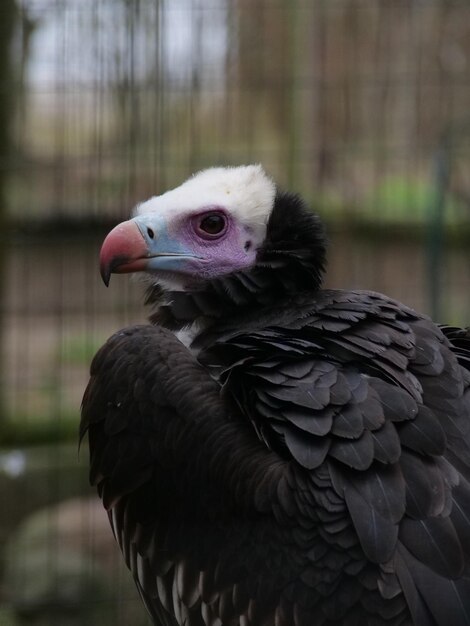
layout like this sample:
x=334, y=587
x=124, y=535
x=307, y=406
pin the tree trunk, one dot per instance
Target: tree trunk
x=8, y=15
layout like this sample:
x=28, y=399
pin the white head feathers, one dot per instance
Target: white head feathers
x=245, y=191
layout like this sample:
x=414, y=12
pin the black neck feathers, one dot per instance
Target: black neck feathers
x=291, y=261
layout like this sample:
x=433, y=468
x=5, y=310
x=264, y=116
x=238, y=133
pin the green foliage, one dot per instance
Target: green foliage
x=7, y=617
x=39, y=429
x=401, y=200
x=396, y=207
x=79, y=350
x=50, y=411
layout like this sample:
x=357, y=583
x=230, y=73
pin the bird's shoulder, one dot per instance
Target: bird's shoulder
x=150, y=409
x=344, y=371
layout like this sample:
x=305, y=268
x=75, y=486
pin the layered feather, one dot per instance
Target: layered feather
x=310, y=466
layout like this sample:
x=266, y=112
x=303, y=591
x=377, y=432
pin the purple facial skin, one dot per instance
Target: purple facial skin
x=194, y=252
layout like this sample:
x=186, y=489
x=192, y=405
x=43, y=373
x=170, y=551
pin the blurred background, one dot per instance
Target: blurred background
x=362, y=106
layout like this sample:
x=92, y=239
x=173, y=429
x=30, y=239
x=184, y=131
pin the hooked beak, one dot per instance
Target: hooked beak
x=124, y=250
x=143, y=244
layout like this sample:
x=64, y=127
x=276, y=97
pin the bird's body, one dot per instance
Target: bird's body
x=306, y=462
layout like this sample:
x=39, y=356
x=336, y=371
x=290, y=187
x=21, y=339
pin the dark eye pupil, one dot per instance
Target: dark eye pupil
x=213, y=224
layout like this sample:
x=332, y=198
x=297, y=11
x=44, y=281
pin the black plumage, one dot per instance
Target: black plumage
x=310, y=465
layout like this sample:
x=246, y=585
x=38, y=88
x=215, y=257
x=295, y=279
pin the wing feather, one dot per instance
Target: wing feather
x=359, y=509
x=390, y=421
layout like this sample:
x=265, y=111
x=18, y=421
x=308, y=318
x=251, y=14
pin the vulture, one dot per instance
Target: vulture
x=271, y=452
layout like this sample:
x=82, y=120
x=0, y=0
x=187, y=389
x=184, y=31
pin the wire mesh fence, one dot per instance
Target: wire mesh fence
x=363, y=107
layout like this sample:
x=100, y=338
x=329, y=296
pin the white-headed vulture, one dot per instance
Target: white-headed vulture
x=305, y=461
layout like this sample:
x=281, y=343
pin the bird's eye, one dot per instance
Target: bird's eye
x=213, y=224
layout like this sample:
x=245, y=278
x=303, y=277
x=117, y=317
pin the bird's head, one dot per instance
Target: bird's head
x=227, y=232
x=210, y=226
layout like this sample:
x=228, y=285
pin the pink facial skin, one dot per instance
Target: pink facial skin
x=231, y=250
